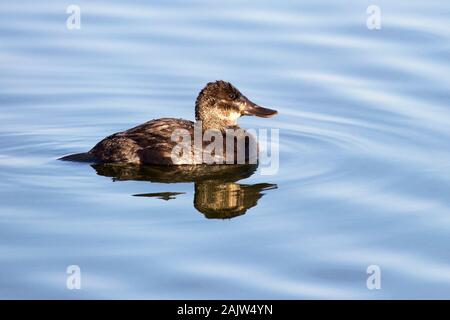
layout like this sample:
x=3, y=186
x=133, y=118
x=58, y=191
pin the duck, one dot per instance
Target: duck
x=217, y=108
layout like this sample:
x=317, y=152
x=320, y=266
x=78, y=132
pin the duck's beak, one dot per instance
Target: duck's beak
x=252, y=109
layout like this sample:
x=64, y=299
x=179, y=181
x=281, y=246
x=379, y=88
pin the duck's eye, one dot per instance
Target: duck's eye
x=232, y=96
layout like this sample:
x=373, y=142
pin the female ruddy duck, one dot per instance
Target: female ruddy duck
x=217, y=108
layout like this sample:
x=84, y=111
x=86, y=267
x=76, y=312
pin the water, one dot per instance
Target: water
x=364, y=173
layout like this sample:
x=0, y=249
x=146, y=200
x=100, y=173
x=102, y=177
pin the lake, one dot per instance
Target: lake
x=364, y=152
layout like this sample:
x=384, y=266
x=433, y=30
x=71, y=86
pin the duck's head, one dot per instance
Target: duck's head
x=220, y=104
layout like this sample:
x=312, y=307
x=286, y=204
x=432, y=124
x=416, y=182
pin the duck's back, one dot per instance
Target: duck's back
x=151, y=144
x=148, y=143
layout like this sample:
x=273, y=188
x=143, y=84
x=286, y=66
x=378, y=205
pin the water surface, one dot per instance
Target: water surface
x=364, y=150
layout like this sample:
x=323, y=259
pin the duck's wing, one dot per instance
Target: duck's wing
x=155, y=140
x=148, y=143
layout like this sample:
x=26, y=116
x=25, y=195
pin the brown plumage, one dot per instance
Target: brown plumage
x=218, y=106
x=148, y=143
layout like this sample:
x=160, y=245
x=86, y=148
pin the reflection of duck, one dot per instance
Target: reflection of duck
x=217, y=195
x=228, y=199
x=218, y=106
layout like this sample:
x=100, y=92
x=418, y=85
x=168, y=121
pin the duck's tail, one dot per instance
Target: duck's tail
x=80, y=157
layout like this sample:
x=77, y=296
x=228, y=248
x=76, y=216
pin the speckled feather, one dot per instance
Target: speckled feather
x=148, y=143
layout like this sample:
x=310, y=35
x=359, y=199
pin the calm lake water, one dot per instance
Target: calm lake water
x=364, y=177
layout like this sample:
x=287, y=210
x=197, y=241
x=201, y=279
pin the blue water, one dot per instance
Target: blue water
x=364, y=178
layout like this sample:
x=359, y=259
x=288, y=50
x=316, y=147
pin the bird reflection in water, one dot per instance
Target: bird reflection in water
x=217, y=193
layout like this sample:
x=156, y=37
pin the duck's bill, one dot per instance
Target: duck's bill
x=252, y=109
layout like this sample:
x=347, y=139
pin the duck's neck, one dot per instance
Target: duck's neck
x=217, y=123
